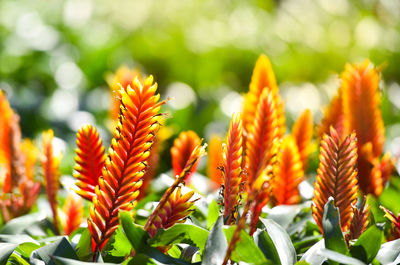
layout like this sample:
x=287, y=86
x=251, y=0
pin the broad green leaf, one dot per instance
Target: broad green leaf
x=333, y=235
x=17, y=239
x=181, y=233
x=313, y=255
x=284, y=214
x=340, y=258
x=246, y=250
x=389, y=253
x=306, y=242
x=6, y=249
x=265, y=243
x=16, y=259
x=136, y=235
x=302, y=263
x=139, y=259
x=84, y=248
x=368, y=244
x=280, y=242
x=61, y=248
x=216, y=245
x=26, y=249
x=213, y=213
x=120, y=245
x=19, y=224
x=66, y=261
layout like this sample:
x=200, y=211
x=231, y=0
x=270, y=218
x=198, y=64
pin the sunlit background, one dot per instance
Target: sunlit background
x=55, y=57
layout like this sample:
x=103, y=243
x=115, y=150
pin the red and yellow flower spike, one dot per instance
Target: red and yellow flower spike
x=261, y=137
x=6, y=114
x=174, y=211
x=336, y=177
x=361, y=100
x=302, y=132
x=287, y=173
x=123, y=77
x=333, y=116
x=182, y=149
x=90, y=158
x=30, y=153
x=197, y=153
x=232, y=171
x=214, y=161
x=126, y=163
x=73, y=210
x=263, y=78
x=395, y=220
x=359, y=222
x=50, y=165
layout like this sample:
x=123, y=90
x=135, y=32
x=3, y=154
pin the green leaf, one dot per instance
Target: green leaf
x=120, y=246
x=136, y=235
x=66, y=261
x=281, y=242
x=26, y=249
x=246, y=250
x=216, y=245
x=16, y=259
x=6, y=249
x=17, y=239
x=302, y=263
x=284, y=214
x=19, y=224
x=61, y=248
x=83, y=248
x=313, y=254
x=265, y=243
x=389, y=253
x=181, y=233
x=333, y=235
x=213, y=213
x=340, y=258
x=368, y=244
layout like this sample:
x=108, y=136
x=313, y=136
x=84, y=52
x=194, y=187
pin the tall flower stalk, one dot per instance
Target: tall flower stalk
x=124, y=168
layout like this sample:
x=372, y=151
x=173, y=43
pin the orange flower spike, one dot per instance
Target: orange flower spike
x=73, y=210
x=50, y=165
x=336, y=177
x=333, y=116
x=197, y=153
x=127, y=156
x=90, y=158
x=232, y=171
x=287, y=173
x=395, y=220
x=182, y=149
x=302, y=132
x=359, y=222
x=261, y=137
x=361, y=100
x=6, y=114
x=263, y=78
x=214, y=160
x=30, y=154
x=122, y=78
x=174, y=211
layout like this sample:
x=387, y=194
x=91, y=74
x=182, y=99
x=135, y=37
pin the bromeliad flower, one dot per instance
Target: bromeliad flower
x=333, y=116
x=336, y=177
x=181, y=151
x=50, y=165
x=73, y=212
x=231, y=169
x=90, y=158
x=263, y=78
x=127, y=157
x=214, y=161
x=302, y=132
x=359, y=222
x=287, y=173
x=174, y=211
x=395, y=220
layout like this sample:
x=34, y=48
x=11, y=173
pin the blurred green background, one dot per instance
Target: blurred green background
x=55, y=56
